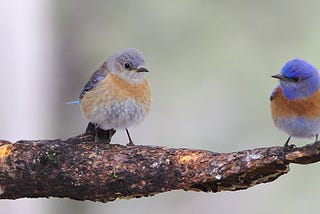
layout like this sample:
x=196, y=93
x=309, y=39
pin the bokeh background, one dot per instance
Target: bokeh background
x=210, y=64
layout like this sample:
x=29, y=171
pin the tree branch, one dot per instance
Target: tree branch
x=80, y=169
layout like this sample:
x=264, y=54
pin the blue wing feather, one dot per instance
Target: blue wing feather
x=96, y=77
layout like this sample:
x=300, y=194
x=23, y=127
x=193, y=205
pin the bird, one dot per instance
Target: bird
x=117, y=95
x=295, y=102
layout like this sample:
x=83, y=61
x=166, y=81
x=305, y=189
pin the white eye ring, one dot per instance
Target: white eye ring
x=127, y=65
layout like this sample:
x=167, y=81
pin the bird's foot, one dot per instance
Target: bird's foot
x=287, y=146
x=130, y=143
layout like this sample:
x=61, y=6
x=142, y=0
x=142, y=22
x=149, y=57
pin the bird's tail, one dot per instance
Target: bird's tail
x=76, y=102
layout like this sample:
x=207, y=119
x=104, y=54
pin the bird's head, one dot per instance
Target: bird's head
x=298, y=79
x=129, y=65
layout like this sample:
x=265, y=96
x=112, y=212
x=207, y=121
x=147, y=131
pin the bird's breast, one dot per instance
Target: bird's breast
x=115, y=100
x=308, y=108
x=121, y=89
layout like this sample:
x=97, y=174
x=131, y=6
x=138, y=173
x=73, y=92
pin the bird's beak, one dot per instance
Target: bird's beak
x=142, y=69
x=278, y=76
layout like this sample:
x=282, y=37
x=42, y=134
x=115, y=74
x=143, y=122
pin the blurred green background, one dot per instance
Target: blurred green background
x=210, y=64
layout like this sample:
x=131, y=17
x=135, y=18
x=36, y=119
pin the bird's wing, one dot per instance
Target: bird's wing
x=274, y=93
x=96, y=77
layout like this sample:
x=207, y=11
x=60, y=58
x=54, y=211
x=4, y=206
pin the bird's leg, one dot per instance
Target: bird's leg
x=287, y=142
x=287, y=146
x=316, y=137
x=104, y=136
x=130, y=140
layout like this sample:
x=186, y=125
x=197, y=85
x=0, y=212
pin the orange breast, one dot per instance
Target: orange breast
x=124, y=90
x=281, y=107
x=114, y=89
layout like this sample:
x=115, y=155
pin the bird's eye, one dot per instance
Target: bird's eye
x=127, y=65
x=296, y=79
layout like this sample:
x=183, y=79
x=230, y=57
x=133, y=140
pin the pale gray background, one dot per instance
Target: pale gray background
x=210, y=64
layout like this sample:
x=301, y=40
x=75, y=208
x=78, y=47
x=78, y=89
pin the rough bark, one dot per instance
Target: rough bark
x=81, y=169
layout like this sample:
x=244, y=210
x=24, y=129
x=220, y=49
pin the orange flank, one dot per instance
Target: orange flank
x=114, y=89
x=281, y=107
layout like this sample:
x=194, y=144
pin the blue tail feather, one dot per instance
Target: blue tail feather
x=76, y=102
